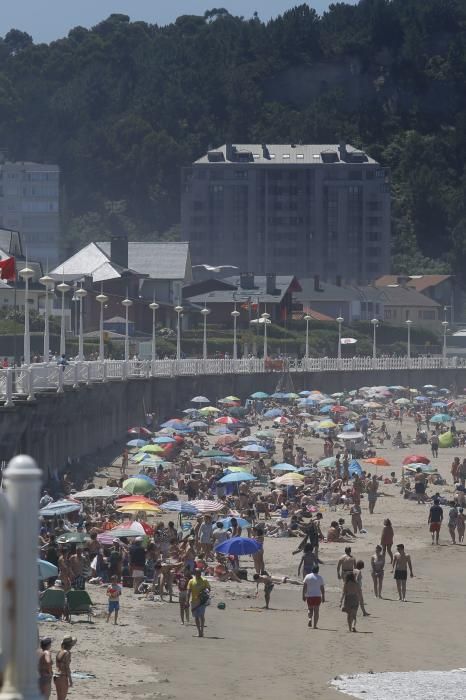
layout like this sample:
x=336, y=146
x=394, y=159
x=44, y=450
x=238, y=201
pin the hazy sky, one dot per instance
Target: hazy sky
x=47, y=20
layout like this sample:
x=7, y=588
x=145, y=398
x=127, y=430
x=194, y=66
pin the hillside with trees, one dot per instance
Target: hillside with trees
x=123, y=106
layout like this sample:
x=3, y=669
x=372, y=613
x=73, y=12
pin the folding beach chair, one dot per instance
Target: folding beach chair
x=79, y=603
x=53, y=602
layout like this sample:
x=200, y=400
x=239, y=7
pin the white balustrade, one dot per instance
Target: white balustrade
x=27, y=382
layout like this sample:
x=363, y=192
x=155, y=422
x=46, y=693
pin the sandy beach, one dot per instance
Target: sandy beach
x=270, y=655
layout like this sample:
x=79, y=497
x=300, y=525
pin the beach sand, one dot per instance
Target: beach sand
x=271, y=655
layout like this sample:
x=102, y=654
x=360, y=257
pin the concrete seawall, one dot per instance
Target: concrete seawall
x=83, y=421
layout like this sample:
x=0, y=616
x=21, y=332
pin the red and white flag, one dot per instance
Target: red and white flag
x=8, y=269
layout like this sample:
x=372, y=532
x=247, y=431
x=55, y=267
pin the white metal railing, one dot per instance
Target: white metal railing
x=27, y=381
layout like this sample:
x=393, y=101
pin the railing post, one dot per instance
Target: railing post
x=124, y=370
x=31, y=396
x=88, y=373
x=76, y=376
x=104, y=370
x=19, y=579
x=9, y=388
x=61, y=371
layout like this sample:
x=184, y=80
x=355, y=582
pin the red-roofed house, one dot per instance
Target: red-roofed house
x=440, y=288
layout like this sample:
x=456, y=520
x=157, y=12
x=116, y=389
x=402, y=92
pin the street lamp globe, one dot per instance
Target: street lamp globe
x=153, y=305
x=340, y=319
x=178, y=309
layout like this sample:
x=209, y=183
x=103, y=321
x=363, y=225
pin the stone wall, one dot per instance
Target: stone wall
x=85, y=421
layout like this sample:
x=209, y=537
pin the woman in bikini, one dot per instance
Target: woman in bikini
x=62, y=678
x=386, y=539
x=377, y=567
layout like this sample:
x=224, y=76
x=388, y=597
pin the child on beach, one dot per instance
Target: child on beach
x=182, y=579
x=113, y=595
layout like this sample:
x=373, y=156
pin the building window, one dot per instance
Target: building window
x=241, y=174
x=427, y=315
x=373, y=236
x=355, y=175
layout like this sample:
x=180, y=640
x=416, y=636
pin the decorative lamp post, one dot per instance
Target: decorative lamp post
x=339, y=320
x=205, y=312
x=26, y=273
x=265, y=320
x=102, y=299
x=153, y=306
x=307, y=318
x=235, y=315
x=409, y=323
x=62, y=288
x=127, y=303
x=444, y=352
x=179, y=311
x=80, y=294
x=49, y=284
x=375, y=323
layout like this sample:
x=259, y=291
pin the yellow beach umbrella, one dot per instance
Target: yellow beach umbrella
x=151, y=449
x=136, y=507
x=327, y=424
x=209, y=409
x=291, y=479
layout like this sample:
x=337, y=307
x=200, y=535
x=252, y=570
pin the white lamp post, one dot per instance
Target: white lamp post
x=409, y=323
x=307, y=318
x=62, y=288
x=49, y=285
x=235, y=314
x=26, y=273
x=102, y=299
x=80, y=294
x=205, y=312
x=444, y=352
x=179, y=311
x=127, y=303
x=265, y=320
x=339, y=321
x=375, y=323
x=153, y=306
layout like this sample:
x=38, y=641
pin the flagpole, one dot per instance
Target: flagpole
x=15, y=358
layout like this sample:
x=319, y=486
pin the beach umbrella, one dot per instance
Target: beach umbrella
x=200, y=399
x=253, y=448
x=104, y=492
x=226, y=420
x=338, y=409
x=136, y=507
x=309, y=401
x=291, y=395
x=292, y=479
x=231, y=398
x=136, y=443
x=59, y=508
x=273, y=413
x=425, y=468
x=139, y=431
x=190, y=411
x=327, y=400
x=242, y=522
x=446, y=439
x=440, y=418
x=429, y=386
x=151, y=449
x=444, y=391
x=279, y=395
x=236, y=477
x=372, y=404
x=211, y=453
x=325, y=409
x=281, y=420
x=226, y=440
x=416, y=459
x=233, y=465
x=378, y=461
x=133, y=529
x=199, y=425
x=439, y=404
x=206, y=506
x=327, y=424
x=139, y=486
x=163, y=440
x=179, y=507
x=350, y=436
x=422, y=398
x=337, y=395
x=284, y=467
x=238, y=411
x=73, y=538
x=46, y=570
x=265, y=434
x=304, y=414
x=259, y=395
x=328, y=462
x=304, y=393
x=358, y=402
x=402, y=402
x=209, y=409
x=238, y=546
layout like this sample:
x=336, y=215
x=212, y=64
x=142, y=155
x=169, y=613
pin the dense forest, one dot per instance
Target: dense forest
x=123, y=106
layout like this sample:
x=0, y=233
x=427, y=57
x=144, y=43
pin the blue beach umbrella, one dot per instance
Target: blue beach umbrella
x=238, y=546
x=284, y=467
x=354, y=468
x=236, y=477
x=179, y=507
x=273, y=413
x=136, y=443
x=440, y=418
x=59, y=508
x=254, y=448
x=259, y=395
x=46, y=570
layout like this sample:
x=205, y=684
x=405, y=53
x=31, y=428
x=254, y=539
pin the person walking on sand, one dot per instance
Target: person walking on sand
x=346, y=564
x=460, y=525
x=182, y=579
x=401, y=563
x=350, y=601
x=198, y=596
x=358, y=578
x=62, y=678
x=314, y=595
x=386, y=539
x=435, y=520
x=372, y=493
x=452, y=521
x=113, y=595
x=377, y=570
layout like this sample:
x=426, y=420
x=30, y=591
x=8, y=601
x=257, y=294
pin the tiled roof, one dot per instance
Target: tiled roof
x=418, y=282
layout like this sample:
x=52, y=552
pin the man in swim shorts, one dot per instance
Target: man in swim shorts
x=314, y=594
x=435, y=520
x=401, y=563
